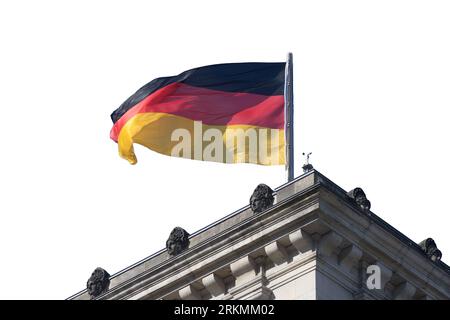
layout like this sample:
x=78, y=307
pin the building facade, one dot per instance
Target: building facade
x=308, y=239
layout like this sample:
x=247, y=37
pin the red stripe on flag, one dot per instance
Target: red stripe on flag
x=212, y=107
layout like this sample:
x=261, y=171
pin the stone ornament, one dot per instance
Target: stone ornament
x=307, y=167
x=359, y=198
x=262, y=198
x=98, y=283
x=178, y=241
x=429, y=247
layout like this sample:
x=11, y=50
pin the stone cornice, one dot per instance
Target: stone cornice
x=311, y=202
x=214, y=252
x=382, y=245
x=338, y=191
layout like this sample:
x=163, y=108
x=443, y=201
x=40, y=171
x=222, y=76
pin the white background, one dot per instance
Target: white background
x=372, y=100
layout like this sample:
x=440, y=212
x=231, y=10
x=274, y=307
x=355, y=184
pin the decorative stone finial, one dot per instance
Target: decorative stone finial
x=359, y=197
x=429, y=247
x=178, y=241
x=98, y=283
x=307, y=166
x=262, y=198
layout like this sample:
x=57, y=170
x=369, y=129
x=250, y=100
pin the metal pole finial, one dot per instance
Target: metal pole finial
x=307, y=156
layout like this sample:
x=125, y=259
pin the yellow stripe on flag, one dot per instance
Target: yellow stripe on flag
x=182, y=137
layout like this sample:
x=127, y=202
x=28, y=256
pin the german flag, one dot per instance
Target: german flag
x=229, y=113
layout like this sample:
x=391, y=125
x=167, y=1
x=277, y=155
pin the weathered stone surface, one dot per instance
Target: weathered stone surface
x=329, y=243
x=276, y=253
x=350, y=256
x=262, y=198
x=429, y=247
x=98, y=283
x=214, y=284
x=178, y=241
x=359, y=197
x=301, y=240
x=404, y=291
x=189, y=293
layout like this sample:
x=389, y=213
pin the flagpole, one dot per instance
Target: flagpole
x=289, y=117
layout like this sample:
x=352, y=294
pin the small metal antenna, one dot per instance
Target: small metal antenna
x=307, y=166
x=307, y=156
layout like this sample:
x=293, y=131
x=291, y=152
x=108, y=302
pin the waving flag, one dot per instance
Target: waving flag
x=229, y=113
